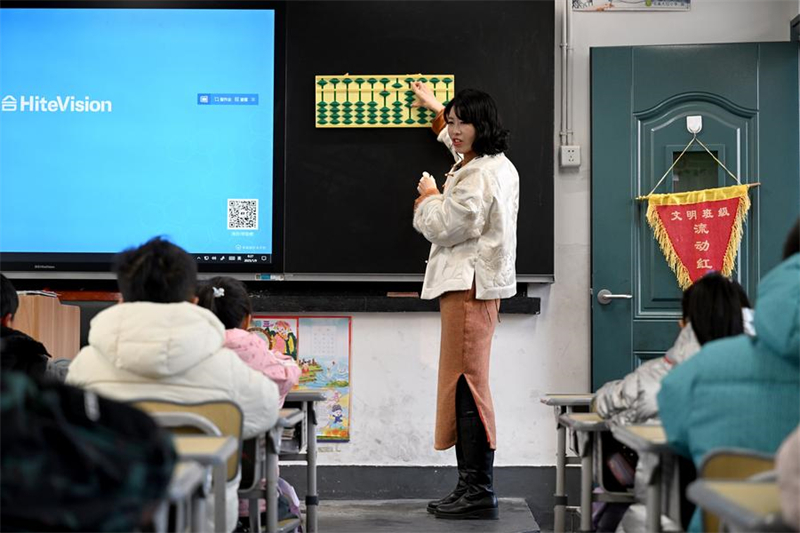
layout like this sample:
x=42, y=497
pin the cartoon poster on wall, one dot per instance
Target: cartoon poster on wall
x=280, y=332
x=324, y=357
x=321, y=347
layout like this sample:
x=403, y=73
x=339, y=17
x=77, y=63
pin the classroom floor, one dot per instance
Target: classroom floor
x=410, y=516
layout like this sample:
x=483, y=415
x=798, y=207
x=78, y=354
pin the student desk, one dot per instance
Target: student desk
x=213, y=451
x=740, y=505
x=307, y=451
x=648, y=439
x=184, y=487
x=585, y=425
x=267, y=451
x=562, y=404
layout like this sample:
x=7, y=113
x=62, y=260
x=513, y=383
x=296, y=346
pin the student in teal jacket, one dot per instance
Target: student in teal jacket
x=743, y=391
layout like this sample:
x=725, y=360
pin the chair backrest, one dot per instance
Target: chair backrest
x=220, y=417
x=179, y=422
x=731, y=463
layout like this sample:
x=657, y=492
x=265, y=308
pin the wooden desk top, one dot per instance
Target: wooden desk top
x=746, y=505
x=583, y=421
x=642, y=438
x=567, y=399
x=204, y=449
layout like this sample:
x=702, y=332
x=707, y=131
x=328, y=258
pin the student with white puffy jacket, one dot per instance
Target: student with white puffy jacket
x=157, y=344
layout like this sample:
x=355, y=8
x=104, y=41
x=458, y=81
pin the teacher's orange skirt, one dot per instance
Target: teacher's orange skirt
x=467, y=329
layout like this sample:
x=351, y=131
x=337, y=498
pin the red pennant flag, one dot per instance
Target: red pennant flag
x=699, y=231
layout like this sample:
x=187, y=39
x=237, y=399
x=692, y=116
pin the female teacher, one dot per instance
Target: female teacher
x=472, y=227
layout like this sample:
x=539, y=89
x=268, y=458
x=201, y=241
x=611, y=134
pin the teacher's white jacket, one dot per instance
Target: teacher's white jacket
x=472, y=227
x=173, y=352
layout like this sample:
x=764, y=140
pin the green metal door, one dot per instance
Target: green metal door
x=747, y=95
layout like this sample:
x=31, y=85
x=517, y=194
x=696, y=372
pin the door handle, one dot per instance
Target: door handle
x=605, y=297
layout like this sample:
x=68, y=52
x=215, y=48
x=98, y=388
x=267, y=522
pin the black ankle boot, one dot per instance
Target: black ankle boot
x=461, y=486
x=479, y=500
x=457, y=492
x=481, y=506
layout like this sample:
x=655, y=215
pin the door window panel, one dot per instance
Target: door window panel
x=694, y=171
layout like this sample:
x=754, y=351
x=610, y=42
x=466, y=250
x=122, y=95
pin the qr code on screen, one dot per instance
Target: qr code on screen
x=243, y=214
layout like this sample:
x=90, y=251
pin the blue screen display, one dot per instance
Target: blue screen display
x=118, y=125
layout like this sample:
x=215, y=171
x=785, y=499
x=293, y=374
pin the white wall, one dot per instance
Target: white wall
x=394, y=356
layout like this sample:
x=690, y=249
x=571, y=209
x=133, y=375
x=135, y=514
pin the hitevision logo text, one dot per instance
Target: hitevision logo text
x=59, y=104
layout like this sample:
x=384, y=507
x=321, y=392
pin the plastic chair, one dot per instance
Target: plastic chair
x=225, y=417
x=732, y=463
x=216, y=418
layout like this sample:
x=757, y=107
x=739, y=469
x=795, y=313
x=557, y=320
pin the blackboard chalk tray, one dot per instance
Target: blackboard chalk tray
x=367, y=297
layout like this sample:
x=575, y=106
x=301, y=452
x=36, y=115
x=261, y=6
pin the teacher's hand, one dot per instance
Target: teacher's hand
x=427, y=185
x=425, y=97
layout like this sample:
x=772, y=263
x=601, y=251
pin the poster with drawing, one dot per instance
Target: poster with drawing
x=279, y=331
x=324, y=357
x=321, y=347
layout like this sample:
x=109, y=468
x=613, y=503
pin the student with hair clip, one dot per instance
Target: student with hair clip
x=472, y=227
x=742, y=392
x=713, y=307
x=227, y=298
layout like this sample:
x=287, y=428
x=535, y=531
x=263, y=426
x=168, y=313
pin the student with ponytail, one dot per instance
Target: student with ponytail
x=227, y=298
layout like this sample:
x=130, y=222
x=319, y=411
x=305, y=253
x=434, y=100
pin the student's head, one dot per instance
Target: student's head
x=228, y=299
x=474, y=124
x=157, y=271
x=792, y=244
x=9, y=302
x=713, y=306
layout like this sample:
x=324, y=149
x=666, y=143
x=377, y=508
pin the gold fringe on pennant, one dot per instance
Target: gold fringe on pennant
x=736, y=234
x=660, y=233
x=693, y=197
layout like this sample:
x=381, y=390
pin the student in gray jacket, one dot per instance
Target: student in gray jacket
x=713, y=307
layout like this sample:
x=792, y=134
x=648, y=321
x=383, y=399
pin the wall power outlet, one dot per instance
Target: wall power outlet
x=570, y=156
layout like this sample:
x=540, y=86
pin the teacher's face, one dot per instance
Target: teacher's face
x=461, y=133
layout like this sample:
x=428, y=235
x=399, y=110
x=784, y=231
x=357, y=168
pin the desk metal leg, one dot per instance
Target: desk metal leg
x=161, y=518
x=220, y=504
x=654, y=501
x=272, y=492
x=312, y=499
x=586, y=491
x=559, y=511
x=199, y=522
x=180, y=516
